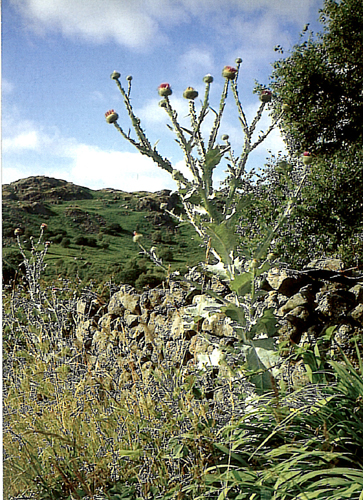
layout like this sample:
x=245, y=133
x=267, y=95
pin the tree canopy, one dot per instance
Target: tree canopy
x=322, y=83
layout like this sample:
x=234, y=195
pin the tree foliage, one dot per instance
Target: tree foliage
x=322, y=82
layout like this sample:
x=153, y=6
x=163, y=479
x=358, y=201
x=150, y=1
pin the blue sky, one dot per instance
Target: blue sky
x=57, y=57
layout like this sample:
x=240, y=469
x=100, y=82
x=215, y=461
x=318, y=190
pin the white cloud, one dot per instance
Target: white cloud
x=128, y=23
x=152, y=114
x=39, y=152
x=7, y=87
x=196, y=57
x=14, y=173
x=98, y=168
x=23, y=141
x=138, y=24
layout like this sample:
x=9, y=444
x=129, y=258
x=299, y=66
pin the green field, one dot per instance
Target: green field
x=92, y=238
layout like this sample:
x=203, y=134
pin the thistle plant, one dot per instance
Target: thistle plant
x=216, y=214
x=34, y=265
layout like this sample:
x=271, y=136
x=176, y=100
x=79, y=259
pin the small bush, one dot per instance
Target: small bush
x=88, y=241
x=65, y=242
x=113, y=229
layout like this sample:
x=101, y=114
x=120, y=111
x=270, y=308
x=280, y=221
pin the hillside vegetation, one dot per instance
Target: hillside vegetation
x=91, y=231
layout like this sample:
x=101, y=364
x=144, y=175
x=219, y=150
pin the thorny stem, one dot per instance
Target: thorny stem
x=290, y=205
x=33, y=266
x=135, y=121
x=196, y=128
x=217, y=121
x=263, y=136
x=185, y=145
x=241, y=113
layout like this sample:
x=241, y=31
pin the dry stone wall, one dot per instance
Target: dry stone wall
x=143, y=330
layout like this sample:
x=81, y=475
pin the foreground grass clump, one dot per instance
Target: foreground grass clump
x=74, y=428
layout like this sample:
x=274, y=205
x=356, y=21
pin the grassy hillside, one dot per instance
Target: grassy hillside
x=91, y=231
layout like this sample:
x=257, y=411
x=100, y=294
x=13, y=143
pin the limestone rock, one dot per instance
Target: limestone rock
x=125, y=298
x=295, y=301
x=326, y=264
x=357, y=313
x=334, y=304
x=357, y=290
x=217, y=324
x=286, y=282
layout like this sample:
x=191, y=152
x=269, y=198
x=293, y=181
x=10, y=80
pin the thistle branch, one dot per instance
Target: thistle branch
x=217, y=121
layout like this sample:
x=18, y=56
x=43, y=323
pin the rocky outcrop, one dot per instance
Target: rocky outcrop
x=42, y=188
x=321, y=305
x=141, y=330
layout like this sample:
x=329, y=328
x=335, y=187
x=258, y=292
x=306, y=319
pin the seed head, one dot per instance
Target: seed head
x=111, y=116
x=307, y=158
x=229, y=72
x=18, y=231
x=137, y=236
x=164, y=89
x=190, y=93
x=208, y=79
x=266, y=96
x=254, y=264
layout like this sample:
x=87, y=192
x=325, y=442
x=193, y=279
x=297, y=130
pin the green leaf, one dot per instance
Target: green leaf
x=130, y=453
x=203, y=306
x=212, y=158
x=328, y=334
x=242, y=284
x=264, y=246
x=228, y=452
x=263, y=380
x=235, y=313
x=265, y=324
x=239, y=207
x=224, y=240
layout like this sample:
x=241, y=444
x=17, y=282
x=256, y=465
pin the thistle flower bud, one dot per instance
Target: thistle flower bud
x=164, y=89
x=137, y=236
x=18, y=231
x=208, y=79
x=115, y=75
x=229, y=72
x=254, y=264
x=225, y=137
x=111, y=116
x=266, y=96
x=47, y=244
x=190, y=93
x=238, y=60
x=43, y=226
x=129, y=78
x=307, y=158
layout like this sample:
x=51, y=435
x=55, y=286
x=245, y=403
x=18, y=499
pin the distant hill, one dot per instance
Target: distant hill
x=91, y=230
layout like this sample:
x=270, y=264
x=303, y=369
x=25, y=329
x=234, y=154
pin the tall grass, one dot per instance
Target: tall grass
x=77, y=426
x=85, y=425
